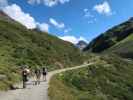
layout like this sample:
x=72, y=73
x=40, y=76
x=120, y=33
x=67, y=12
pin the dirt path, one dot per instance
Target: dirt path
x=39, y=92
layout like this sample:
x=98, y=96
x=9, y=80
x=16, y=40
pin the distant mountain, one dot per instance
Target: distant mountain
x=131, y=19
x=111, y=37
x=20, y=46
x=81, y=44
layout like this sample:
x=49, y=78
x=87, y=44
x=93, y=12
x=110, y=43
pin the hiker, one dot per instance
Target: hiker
x=44, y=73
x=37, y=76
x=25, y=76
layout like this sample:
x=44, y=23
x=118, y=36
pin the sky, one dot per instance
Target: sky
x=70, y=20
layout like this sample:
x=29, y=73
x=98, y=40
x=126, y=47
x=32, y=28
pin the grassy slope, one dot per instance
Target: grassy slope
x=123, y=48
x=109, y=79
x=19, y=46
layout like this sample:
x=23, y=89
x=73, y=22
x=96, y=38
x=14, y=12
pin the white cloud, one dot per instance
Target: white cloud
x=83, y=39
x=34, y=1
x=67, y=30
x=49, y=3
x=87, y=14
x=90, y=22
x=16, y=13
x=3, y=3
x=86, y=10
x=73, y=39
x=59, y=25
x=103, y=8
x=44, y=27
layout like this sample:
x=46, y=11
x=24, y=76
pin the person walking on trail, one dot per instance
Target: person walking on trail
x=44, y=73
x=37, y=76
x=25, y=73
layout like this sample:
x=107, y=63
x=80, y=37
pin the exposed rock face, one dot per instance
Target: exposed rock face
x=131, y=19
x=5, y=16
x=81, y=45
x=2, y=14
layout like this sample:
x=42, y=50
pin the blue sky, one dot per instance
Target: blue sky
x=71, y=20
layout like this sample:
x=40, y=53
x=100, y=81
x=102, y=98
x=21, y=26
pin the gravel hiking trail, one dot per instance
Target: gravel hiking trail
x=34, y=92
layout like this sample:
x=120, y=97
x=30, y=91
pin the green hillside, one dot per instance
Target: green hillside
x=111, y=37
x=19, y=46
x=110, y=78
x=123, y=48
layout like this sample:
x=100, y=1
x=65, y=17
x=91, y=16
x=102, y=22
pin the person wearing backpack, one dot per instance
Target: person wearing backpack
x=37, y=76
x=44, y=73
x=24, y=77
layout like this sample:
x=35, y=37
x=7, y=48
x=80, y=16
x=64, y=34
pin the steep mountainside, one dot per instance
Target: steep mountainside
x=123, y=48
x=111, y=37
x=19, y=46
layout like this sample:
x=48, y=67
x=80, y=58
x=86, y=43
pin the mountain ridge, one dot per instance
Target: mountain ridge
x=110, y=37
